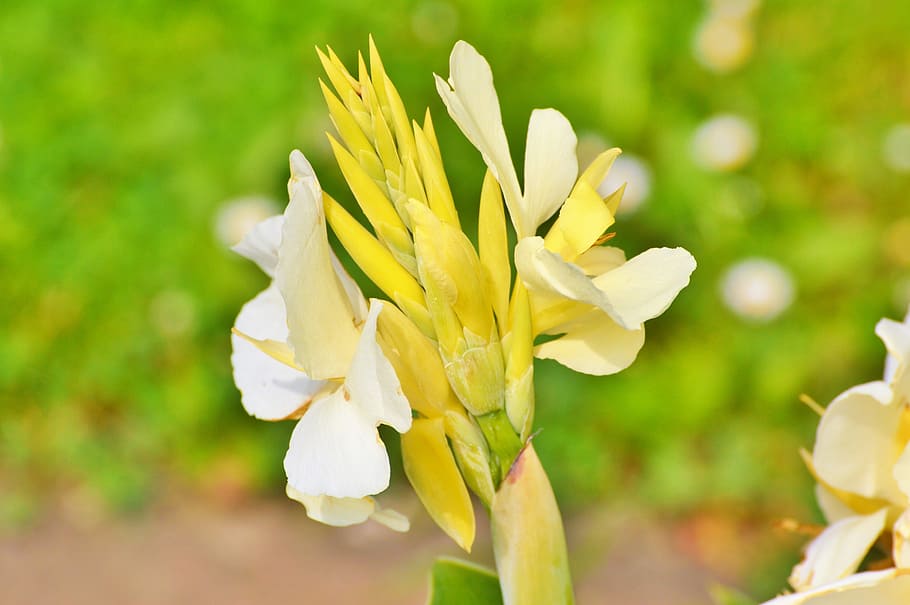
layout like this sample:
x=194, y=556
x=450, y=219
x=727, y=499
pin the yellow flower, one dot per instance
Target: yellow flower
x=588, y=295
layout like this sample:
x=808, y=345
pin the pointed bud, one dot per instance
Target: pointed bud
x=472, y=454
x=528, y=539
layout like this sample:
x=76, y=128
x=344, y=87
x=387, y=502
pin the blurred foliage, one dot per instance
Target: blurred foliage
x=124, y=128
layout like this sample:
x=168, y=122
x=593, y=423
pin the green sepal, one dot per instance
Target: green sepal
x=457, y=582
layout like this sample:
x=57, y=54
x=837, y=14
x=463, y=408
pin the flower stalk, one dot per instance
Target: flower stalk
x=448, y=360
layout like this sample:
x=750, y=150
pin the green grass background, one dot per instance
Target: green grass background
x=125, y=126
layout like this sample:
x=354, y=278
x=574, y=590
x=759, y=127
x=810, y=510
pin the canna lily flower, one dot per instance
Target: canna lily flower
x=306, y=348
x=861, y=460
x=588, y=295
x=886, y=587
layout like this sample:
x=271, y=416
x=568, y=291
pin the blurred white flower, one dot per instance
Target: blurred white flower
x=740, y=9
x=757, y=289
x=723, y=42
x=235, y=218
x=173, y=312
x=434, y=22
x=896, y=148
x=632, y=170
x=724, y=143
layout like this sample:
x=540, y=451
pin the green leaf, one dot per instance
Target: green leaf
x=456, y=582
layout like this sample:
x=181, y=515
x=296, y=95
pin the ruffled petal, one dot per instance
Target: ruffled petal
x=551, y=166
x=896, y=337
x=371, y=381
x=645, y=285
x=336, y=451
x=344, y=512
x=320, y=319
x=901, y=541
x=639, y=290
x=855, y=444
x=261, y=243
x=838, y=551
x=594, y=344
x=269, y=389
x=470, y=97
x=833, y=508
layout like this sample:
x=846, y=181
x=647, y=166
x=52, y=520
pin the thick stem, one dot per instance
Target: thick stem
x=529, y=543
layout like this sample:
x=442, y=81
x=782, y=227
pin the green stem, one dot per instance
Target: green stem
x=504, y=443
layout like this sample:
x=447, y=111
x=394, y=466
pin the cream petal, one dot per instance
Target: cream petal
x=269, y=389
x=901, y=471
x=896, y=337
x=470, y=98
x=594, y=344
x=886, y=587
x=344, y=512
x=320, y=319
x=901, y=539
x=339, y=512
x=645, y=285
x=600, y=259
x=371, y=380
x=336, y=451
x=260, y=244
x=551, y=166
x=639, y=290
x=833, y=508
x=838, y=551
x=854, y=446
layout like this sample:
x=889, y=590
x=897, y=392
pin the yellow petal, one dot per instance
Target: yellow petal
x=520, y=364
x=417, y=363
x=431, y=469
x=439, y=195
x=378, y=263
x=594, y=174
x=583, y=218
x=372, y=200
x=493, y=245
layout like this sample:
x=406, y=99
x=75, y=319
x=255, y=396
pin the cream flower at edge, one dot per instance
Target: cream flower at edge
x=861, y=459
x=886, y=587
x=313, y=322
x=590, y=295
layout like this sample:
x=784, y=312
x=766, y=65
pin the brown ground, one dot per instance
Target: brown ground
x=268, y=552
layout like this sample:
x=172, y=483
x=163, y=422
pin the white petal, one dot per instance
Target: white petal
x=896, y=337
x=645, y=286
x=901, y=537
x=339, y=512
x=260, y=244
x=336, y=451
x=471, y=100
x=886, y=587
x=838, y=551
x=551, y=166
x=269, y=389
x=358, y=302
x=639, y=290
x=855, y=448
x=594, y=344
x=372, y=382
x=321, y=321
x=391, y=519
